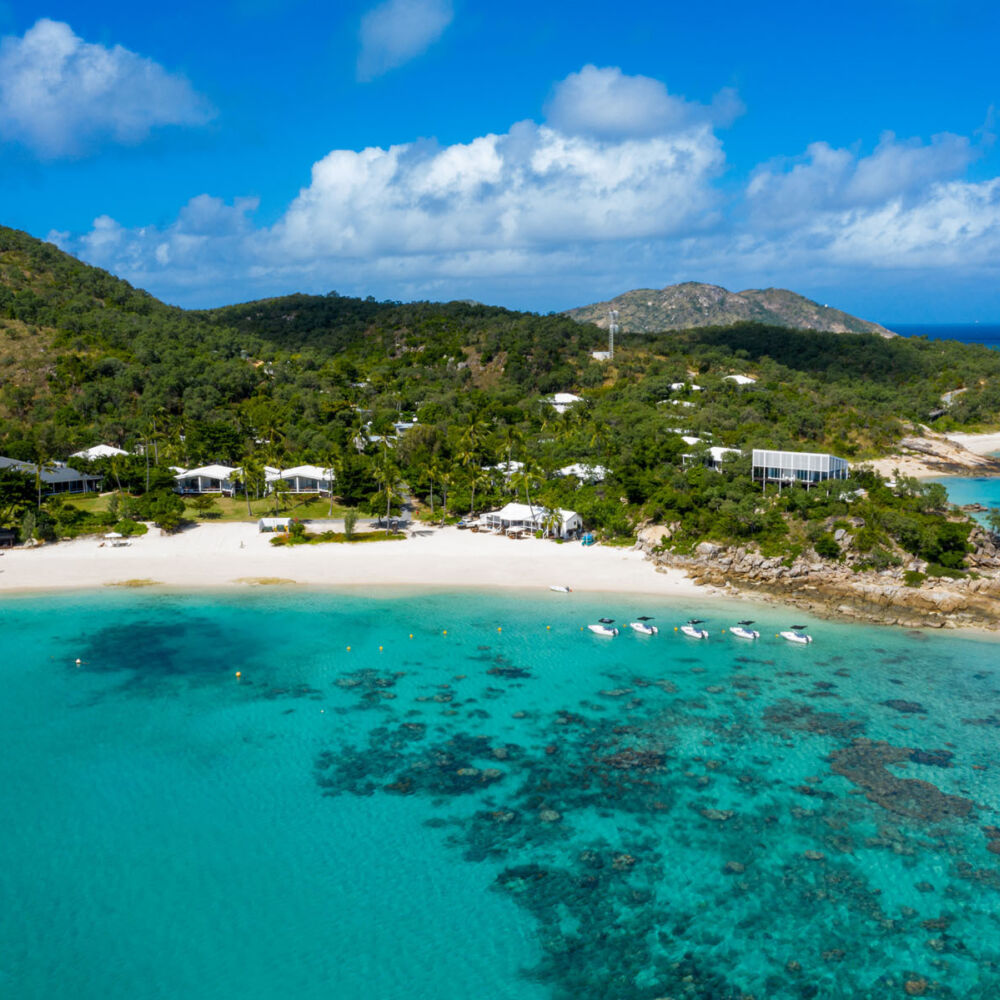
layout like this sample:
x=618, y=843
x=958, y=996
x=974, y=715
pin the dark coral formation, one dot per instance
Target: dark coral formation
x=865, y=762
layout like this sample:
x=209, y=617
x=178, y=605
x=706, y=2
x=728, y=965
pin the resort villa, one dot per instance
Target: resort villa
x=585, y=473
x=303, y=478
x=804, y=467
x=99, y=451
x=55, y=477
x=206, y=479
x=562, y=401
x=522, y=517
x=712, y=458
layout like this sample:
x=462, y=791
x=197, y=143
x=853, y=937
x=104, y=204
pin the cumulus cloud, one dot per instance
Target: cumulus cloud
x=831, y=179
x=569, y=211
x=533, y=186
x=59, y=94
x=605, y=103
x=396, y=31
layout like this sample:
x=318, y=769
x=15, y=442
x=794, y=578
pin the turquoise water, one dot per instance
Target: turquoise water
x=972, y=489
x=528, y=813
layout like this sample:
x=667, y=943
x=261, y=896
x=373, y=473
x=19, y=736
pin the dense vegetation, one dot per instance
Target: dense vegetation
x=86, y=358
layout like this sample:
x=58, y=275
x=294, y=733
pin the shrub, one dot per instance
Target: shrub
x=826, y=547
x=913, y=578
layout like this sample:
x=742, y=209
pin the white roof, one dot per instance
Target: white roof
x=306, y=471
x=595, y=472
x=99, y=451
x=718, y=454
x=208, y=471
x=740, y=379
x=522, y=512
x=507, y=468
x=565, y=397
x=680, y=402
x=688, y=439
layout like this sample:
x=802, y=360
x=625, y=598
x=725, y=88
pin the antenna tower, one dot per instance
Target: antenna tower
x=612, y=330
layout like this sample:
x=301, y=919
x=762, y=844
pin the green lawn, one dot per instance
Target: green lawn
x=231, y=509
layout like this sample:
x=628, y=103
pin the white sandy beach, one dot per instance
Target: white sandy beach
x=934, y=454
x=236, y=555
x=979, y=444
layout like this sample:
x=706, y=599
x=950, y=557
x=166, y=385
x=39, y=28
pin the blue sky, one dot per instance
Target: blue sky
x=535, y=156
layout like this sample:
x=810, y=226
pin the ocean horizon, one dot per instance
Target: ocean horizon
x=987, y=334
x=468, y=794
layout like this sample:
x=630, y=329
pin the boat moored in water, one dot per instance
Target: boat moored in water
x=742, y=630
x=691, y=629
x=797, y=633
x=606, y=627
x=560, y=589
x=642, y=626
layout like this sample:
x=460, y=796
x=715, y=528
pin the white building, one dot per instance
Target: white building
x=206, y=479
x=561, y=523
x=740, y=379
x=303, y=478
x=99, y=451
x=507, y=469
x=56, y=477
x=562, y=401
x=585, y=473
x=712, y=458
x=806, y=467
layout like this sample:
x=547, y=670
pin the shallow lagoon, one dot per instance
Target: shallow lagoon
x=972, y=489
x=533, y=812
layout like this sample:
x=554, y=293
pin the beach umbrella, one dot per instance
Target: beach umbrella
x=114, y=534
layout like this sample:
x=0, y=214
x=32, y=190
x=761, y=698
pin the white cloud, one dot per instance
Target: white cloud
x=564, y=212
x=60, y=94
x=604, y=103
x=826, y=178
x=396, y=31
x=532, y=187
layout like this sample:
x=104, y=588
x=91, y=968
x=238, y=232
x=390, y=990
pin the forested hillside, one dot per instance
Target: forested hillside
x=86, y=358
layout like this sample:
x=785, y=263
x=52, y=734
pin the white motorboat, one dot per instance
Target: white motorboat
x=742, y=630
x=691, y=629
x=642, y=626
x=797, y=633
x=559, y=589
x=604, y=627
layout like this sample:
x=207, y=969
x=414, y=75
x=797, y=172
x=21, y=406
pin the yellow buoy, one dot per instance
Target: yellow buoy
x=547, y=627
x=445, y=632
x=675, y=628
x=348, y=649
x=499, y=629
x=238, y=673
x=411, y=635
x=380, y=649
x=78, y=661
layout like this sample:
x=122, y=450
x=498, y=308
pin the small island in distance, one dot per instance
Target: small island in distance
x=694, y=304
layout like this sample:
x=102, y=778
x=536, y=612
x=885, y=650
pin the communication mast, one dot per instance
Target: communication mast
x=612, y=330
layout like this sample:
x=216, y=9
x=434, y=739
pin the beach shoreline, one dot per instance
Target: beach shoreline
x=236, y=555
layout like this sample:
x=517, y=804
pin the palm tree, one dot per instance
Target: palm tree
x=526, y=477
x=434, y=472
x=329, y=470
x=387, y=474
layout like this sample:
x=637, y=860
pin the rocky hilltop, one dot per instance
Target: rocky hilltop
x=836, y=590
x=693, y=304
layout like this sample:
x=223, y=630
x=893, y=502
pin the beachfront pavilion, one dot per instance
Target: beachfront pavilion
x=206, y=479
x=56, y=477
x=522, y=517
x=805, y=467
x=303, y=478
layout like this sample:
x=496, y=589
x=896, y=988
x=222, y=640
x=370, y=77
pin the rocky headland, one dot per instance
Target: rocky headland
x=837, y=589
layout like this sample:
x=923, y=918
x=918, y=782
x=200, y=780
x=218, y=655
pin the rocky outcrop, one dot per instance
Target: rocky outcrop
x=695, y=304
x=831, y=588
